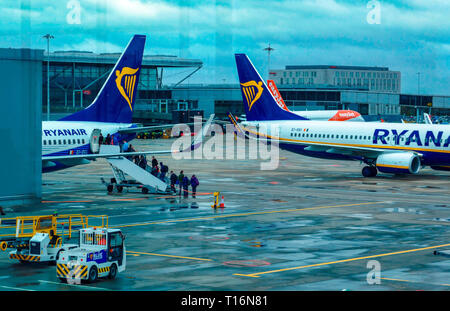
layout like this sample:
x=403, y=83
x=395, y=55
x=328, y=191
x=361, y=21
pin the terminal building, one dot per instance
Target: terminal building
x=372, y=79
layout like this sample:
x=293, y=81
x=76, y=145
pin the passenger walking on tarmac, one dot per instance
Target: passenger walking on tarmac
x=108, y=140
x=100, y=139
x=185, y=186
x=180, y=180
x=194, y=184
x=154, y=161
x=173, y=181
x=164, y=170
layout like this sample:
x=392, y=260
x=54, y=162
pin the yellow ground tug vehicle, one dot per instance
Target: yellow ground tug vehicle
x=41, y=238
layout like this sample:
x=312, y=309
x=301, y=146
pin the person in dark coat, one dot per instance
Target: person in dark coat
x=143, y=162
x=100, y=139
x=154, y=161
x=185, y=186
x=155, y=171
x=180, y=180
x=164, y=170
x=173, y=181
x=108, y=140
x=131, y=149
x=194, y=184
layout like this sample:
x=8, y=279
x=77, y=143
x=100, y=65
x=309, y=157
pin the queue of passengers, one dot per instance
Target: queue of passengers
x=158, y=171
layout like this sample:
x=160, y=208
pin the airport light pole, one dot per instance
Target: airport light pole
x=48, y=37
x=418, y=94
x=268, y=49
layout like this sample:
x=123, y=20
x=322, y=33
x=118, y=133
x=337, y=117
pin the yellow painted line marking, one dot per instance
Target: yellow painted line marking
x=344, y=260
x=249, y=275
x=164, y=255
x=246, y=214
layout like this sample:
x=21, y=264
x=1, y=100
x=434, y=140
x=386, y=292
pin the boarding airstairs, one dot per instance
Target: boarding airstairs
x=121, y=167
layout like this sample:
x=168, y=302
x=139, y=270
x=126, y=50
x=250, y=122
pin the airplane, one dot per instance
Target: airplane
x=393, y=148
x=318, y=115
x=73, y=140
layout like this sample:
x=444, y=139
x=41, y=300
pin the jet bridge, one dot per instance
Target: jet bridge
x=121, y=166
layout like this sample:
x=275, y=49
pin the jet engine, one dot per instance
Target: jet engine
x=399, y=163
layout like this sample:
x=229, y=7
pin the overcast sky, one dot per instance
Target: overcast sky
x=407, y=35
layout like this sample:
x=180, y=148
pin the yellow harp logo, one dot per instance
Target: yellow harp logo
x=252, y=92
x=128, y=77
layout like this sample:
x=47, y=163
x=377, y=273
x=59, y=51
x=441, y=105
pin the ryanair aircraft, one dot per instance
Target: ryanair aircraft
x=393, y=148
x=73, y=140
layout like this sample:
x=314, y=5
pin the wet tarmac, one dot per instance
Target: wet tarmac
x=309, y=225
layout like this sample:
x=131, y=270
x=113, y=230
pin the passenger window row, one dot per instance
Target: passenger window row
x=63, y=142
x=360, y=137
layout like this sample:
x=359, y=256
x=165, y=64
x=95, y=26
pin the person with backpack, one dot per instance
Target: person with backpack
x=185, y=186
x=194, y=184
x=164, y=170
x=173, y=181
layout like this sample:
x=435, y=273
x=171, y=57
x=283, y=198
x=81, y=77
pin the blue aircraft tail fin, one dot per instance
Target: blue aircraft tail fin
x=259, y=103
x=115, y=101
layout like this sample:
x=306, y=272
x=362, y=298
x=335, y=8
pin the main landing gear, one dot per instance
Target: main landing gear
x=369, y=171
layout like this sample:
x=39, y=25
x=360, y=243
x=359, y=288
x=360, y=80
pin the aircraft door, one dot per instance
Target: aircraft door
x=94, y=142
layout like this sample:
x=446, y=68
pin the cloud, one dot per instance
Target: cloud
x=412, y=35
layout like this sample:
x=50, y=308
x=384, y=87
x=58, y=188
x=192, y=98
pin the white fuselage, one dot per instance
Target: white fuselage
x=73, y=137
x=428, y=139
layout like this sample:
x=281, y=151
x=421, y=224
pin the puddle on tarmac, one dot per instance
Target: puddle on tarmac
x=441, y=219
x=404, y=210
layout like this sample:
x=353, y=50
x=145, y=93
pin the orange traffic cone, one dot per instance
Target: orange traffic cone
x=222, y=203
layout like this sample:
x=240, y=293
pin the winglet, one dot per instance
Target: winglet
x=198, y=138
x=240, y=131
x=426, y=118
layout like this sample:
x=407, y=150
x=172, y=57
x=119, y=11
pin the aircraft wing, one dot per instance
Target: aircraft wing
x=148, y=128
x=198, y=140
x=151, y=127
